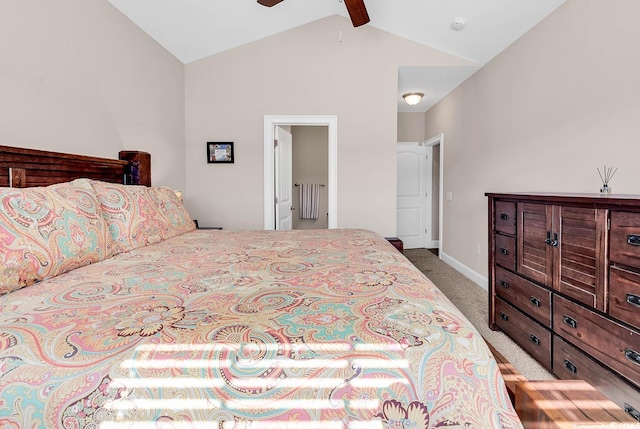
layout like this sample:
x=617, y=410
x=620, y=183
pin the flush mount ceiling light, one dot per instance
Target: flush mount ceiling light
x=413, y=98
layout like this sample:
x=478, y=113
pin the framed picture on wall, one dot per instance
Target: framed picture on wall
x=220, y=152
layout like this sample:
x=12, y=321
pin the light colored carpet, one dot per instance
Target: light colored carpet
x=472, y=300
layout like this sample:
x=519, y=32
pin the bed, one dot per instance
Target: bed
x=138, y=320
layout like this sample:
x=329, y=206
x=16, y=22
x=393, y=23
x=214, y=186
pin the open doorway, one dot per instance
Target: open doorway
x=419, y=194
x=310, y=172
x=436, y=144
x=272, y=175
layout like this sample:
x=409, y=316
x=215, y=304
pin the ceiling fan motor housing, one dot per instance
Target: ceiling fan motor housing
x=269, y=3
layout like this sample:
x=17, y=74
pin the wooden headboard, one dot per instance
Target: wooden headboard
x=21, y=168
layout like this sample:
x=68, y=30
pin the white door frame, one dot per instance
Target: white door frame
x=433, y=141
x=429, y=205
x=270, y=122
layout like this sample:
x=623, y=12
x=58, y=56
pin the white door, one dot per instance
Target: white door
x=414, y=188
x=283, y=173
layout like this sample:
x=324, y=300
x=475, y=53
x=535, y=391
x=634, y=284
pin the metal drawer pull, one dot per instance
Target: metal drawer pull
x=632, y=355
x=548, y=240
x=554, y=242
x=504, y=316
x=570, y=321
x=504, y=251
x=571, y=367
x=534, y=339
x=504, y=216
x=633, y=239
x=632, y=411
x=504, y=284
x=633, y=299
x=535, y=301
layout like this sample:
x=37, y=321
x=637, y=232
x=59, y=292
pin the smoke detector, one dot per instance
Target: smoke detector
x=458, y=24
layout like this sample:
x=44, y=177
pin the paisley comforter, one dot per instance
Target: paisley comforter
x=262, y=329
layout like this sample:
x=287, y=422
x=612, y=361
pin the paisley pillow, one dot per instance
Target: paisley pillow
x=46, y=231
x=138, y=215
x=174, y=211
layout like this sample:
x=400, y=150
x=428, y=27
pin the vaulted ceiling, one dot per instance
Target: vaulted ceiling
x=194, y=29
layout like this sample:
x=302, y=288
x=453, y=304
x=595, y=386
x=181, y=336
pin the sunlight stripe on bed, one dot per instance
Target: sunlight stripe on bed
x=308, y=404
x=265, y=363
x=164, y=404
x=248, y=383
x=317, y=347
x=374, y=424
x=176, y=382
x=208, y=363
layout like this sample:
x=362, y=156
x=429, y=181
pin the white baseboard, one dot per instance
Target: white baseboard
x=472, y=275
x=433, y=244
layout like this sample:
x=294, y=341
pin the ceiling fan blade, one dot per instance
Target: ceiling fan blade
x=357, y=12
x=269, y=3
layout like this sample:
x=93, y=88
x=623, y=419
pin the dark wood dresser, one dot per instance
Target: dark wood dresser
x=564, y=283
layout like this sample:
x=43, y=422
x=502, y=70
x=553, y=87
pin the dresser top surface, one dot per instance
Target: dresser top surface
x=592, y=199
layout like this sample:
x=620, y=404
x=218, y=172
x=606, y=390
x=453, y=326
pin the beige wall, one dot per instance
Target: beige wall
x=304, y=71
x=542, y=116
x=411, y=127
x=311, y=165
x=77, y=76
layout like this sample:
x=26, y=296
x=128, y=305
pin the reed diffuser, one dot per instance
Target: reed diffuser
x=606, y=176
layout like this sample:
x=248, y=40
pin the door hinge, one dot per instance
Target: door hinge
x=609, y=224
x=275, y=200
x=275, y=143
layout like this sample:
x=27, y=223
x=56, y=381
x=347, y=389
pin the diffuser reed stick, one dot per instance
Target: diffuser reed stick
x=606, y=176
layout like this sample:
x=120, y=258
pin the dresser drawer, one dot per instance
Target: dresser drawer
x=611, y=343
x=505, y=220
x=531, y=299
x=506, y=251
x=570, y=363
x=625, y=238
x=532, y=337
x=624, y=296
